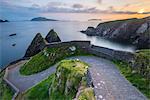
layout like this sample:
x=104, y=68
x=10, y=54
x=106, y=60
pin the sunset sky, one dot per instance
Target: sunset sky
x=74, y=9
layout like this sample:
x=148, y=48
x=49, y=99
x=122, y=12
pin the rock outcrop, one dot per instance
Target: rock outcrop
x=69, y=77
x=134, y=31
x=37, y=44
x=52, y=37
x=3, y=20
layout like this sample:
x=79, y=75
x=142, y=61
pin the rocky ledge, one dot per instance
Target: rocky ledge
x=134, y=31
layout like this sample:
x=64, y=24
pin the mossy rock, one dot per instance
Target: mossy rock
x=68, y=78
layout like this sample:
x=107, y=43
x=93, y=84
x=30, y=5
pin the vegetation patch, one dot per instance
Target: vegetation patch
x=87, y=94
x=5, y=92
x=48, y=57
x=142, y=63
x=40, y=91
x=142, y=83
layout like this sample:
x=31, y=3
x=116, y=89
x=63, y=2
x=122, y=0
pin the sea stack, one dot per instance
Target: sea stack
x=37, y=44
x=52, y=36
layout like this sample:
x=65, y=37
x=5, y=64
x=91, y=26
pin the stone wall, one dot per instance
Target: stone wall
x=82, y=44
x=103, y=52
x=111, y=54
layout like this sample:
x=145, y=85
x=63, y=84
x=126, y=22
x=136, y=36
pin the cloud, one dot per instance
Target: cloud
x=9, y=10
x=78, y=6
x=99, y=1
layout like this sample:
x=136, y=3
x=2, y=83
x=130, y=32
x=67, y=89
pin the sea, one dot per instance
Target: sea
x=14, y=47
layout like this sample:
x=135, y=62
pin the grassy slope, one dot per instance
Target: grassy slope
x=41, y=62
x=40, y=91
x=136, y=79
x=5, y=92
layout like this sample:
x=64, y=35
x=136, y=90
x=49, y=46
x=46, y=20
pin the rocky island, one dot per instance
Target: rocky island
x=43, y=19
x=133, y=31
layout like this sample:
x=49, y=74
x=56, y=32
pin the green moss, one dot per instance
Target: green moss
x=41, y=61
x=142, y=83
x=68, y=78
x=87, y=94
x=5, y=92
x=40, y=91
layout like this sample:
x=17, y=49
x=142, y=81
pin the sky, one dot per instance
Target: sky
x=16, y=10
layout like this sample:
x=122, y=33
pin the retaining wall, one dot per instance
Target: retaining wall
x=103, y=52
x=111, y=54
x=82, y=44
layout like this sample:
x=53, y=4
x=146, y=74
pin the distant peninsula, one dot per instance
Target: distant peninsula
x=95, y=20
x=43, y=19
x=3, y=20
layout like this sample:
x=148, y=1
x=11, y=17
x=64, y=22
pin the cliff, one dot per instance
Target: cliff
x=134, y=31
x=36, y=45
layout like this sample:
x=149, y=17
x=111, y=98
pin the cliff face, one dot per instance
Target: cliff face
x=36, y=45
x=134, y=31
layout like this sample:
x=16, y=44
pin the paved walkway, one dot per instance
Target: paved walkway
x=25, y=82
x=109, y=84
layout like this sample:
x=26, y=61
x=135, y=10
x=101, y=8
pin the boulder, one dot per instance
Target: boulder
x=52, y=36
x=37, y=44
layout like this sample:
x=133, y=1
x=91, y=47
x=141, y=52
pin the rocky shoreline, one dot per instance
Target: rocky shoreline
x=133, y=31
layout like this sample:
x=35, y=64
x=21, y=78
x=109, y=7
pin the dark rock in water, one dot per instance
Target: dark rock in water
x=37, y=44
x=134, y=31
x=82, y=31
x=90, y=31
x=13, y=34
x=3, y=20
x=52, y=36
x=13, y=44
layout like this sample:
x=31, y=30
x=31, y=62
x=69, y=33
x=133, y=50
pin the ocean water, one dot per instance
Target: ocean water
x=26, y=31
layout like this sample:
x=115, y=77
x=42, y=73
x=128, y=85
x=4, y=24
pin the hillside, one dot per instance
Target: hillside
x=133, y=31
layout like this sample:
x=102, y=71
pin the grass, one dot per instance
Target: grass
x=67, y=80
x=40, y=91
x=47, y=58
x=5, y=92
x=142, y=83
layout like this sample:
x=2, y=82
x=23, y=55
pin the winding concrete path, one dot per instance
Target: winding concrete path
x=108, y=83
